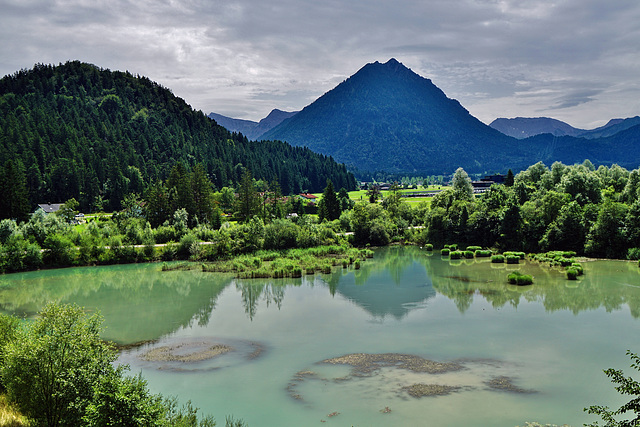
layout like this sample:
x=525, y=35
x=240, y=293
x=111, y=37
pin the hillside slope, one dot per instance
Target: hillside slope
x=80, y=131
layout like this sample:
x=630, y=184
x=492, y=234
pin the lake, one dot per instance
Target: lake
x=409, y=339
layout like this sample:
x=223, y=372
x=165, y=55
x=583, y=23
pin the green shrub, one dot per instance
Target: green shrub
x=166, y=234
x=517, y=278
x=428, y=247
x=280, y=234
x=455, y=255
x=497, y=259
x=356, y=265
x=480, y=253
x=445, y=252
x=520, y=255
x=474, y=248
x=469, y=254
x=572, y=273
x=59, y=250
x=578, y=267
x=633, y=254
x=512, y=259
x=186, y=243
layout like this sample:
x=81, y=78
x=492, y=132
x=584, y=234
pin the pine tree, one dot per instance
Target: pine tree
x=330, y=203
x=248, y=202
x=14, y=197
x=508, y=181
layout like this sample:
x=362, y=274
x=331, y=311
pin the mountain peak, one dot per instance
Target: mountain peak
x=387, y=117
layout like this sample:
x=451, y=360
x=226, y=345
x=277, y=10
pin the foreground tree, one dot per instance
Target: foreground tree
x=59, y=372
x=626, y=386
x=51, y=368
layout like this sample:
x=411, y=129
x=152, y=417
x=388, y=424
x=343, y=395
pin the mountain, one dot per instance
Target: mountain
x=524, y=127
x=622, y=148
x=244, y=127
x=613, y=127
x=250, y=129
x=76, y=130
x=386, y=117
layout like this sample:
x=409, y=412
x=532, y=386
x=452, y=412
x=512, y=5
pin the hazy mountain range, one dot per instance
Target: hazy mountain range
x=387, y=118
x=250, y=129
x=523, y=127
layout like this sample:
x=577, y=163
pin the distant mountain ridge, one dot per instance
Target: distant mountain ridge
x=386, y=117
x=250, y=129
x=525, y=127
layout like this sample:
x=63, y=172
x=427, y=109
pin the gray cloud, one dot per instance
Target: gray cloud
x=575, y=60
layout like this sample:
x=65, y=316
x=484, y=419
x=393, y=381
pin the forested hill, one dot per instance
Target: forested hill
x=79, y=131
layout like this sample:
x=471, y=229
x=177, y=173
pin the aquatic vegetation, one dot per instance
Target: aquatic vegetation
x=290, y=263
x=517, y=278
x=173, y=354
x=512, y=259
x=422, y=390
x=363, y=363
x=506, y=384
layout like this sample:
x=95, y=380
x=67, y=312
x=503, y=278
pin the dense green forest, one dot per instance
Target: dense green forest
x=78, y=131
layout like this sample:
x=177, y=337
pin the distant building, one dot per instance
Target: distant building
x=497, y=179
x=308, y=197
x=485, y=183
x=50, y=207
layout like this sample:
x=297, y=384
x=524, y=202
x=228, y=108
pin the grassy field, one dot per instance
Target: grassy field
x=359, y=195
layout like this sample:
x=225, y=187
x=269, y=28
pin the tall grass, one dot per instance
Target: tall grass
x=9, y=417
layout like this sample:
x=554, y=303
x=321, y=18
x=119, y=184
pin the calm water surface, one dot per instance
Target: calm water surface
x=520, y=354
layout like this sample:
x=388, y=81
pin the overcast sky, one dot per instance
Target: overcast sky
x=574, y=60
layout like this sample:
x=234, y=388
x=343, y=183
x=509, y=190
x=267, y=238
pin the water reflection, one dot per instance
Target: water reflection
x=138, y=302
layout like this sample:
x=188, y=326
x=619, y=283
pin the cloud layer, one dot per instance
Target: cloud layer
x=575, y=60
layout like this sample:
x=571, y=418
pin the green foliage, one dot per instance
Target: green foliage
x=61, y=355
x=58, y=371
x=626, y=386
x=59, y=250
x=497, y=259
x=123, y=401
x=330, y=207
x=455, y=255
x=9, y=327
x=512, y=259
x=517, y=278
x=445, y=252
x=572, y=273
x=461, y=183
x=280, y=234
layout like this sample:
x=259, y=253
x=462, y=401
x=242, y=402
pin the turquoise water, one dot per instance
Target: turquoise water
x=545, y=345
